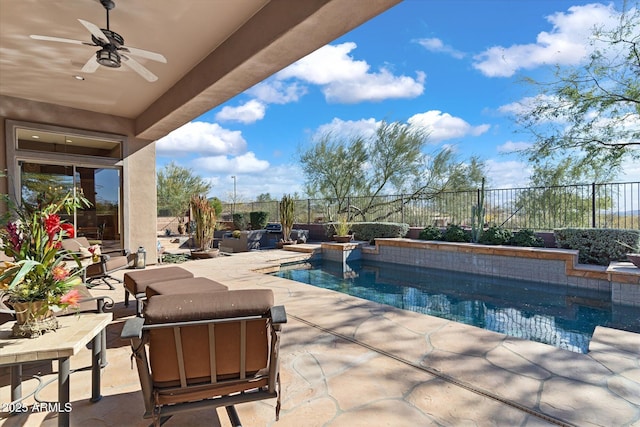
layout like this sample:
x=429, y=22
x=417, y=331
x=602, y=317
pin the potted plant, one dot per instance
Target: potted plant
x=204, y=219
x=342, y=228
x=40, y=274
x=286, y=219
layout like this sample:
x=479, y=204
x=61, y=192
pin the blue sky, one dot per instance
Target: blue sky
x=451, y=66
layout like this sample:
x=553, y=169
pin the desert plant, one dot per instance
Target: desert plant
x=526, y=237
x=240, y=221
x=342, y=226
x=286, y=216
x=430, y=232
x=204, y=218
x=258, y=219
x=477, y=217
x=495, y=235
x=455, y=233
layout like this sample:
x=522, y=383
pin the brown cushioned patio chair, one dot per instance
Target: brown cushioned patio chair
x=200, y=350
x=108, y=263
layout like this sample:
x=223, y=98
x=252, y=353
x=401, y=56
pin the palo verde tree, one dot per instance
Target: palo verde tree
x=391, y=162
x=175, y=186
x=554, y=200
x=591, y=113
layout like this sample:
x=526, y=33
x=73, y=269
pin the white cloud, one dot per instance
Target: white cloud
x=346, y=128
x=346, y=80
x=513, y=146
x=248, y=112
x=436, y=45
x=330, y=63
x=201, y=138
x=277, y=92
x=630, y=170
x=443, y=126
x=245, y=163
x=375, y=87
x=566, y=44
x=508, y=174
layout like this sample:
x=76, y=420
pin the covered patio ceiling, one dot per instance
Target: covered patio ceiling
x=214, y=49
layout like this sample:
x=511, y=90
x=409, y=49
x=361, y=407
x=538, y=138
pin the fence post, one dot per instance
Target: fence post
x=593, y=205
x=402, y=208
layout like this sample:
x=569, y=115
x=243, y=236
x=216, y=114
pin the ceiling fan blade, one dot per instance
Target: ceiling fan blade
x=91, y=66
x=138, y=68
x=95, y=30
x=58, y=39
x=144, y=54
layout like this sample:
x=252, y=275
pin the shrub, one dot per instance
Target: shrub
x=258, y=219
x=526, y=238
x=598, y=245
x=371, y=230
x=495, y=235
x=430, y=232
x=455, y=233
x=240, y=221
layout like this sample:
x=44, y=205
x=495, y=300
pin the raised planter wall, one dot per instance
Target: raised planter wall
x=554, y=266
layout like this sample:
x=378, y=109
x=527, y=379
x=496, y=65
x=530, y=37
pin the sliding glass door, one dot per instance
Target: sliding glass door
x=101, y=221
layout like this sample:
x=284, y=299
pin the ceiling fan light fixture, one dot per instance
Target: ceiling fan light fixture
x=108, y=58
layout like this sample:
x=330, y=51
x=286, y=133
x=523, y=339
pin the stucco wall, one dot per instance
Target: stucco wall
x=139, y=188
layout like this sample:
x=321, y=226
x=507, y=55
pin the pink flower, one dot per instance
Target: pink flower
x=71, y=298
x=60, y=273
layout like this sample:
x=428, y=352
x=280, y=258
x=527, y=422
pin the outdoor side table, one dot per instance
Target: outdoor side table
x=74, y=333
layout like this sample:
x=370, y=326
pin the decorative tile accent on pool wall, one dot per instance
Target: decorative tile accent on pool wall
x=554, y=266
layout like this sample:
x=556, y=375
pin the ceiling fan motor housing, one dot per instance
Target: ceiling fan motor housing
x=108, y=55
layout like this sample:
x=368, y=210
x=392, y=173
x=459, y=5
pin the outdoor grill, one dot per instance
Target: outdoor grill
x=274, y=227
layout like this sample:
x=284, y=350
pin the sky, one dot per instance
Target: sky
x=453, y=67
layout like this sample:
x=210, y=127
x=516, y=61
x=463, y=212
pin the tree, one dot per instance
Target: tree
x=552, y=200
x=175, y=186
x=352, y=172
x=591, y=113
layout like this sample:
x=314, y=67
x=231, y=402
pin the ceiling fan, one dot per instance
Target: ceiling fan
x=112, y=52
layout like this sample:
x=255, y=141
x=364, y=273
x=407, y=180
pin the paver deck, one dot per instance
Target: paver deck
x=350, y=362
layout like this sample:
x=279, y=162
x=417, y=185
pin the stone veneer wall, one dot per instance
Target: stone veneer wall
x=554, y=266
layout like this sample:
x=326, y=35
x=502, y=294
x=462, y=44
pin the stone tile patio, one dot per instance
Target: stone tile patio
x=351, y=362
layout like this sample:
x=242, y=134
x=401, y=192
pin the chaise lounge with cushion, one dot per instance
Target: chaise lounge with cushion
x=108, y=262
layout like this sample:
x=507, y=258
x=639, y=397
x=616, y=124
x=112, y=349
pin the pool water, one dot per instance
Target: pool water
x=561, y=316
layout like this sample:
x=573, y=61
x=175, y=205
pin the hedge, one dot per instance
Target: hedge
x=598, y=245
x=370, y=230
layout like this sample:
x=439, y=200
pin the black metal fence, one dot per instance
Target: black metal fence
x=610, y=205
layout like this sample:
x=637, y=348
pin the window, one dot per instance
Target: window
x=45, y=161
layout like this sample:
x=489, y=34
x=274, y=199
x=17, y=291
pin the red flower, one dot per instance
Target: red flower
x=70, y=232
x=71, y=298
x=52, y=225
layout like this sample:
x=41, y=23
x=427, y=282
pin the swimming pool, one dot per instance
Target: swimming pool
x=561, y=316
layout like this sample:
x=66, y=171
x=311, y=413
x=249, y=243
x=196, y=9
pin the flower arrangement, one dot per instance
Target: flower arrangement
x=40, y=270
